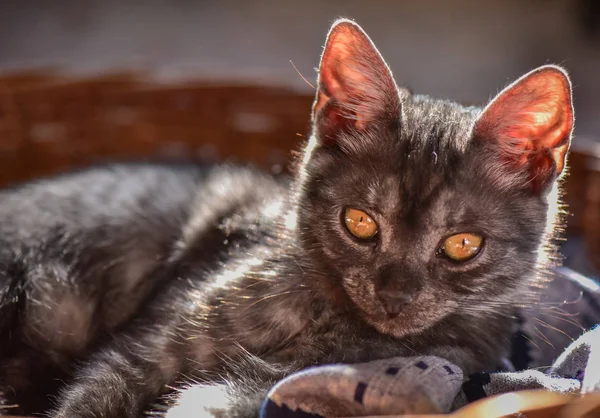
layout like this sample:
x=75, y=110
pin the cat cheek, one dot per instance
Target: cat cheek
x=361, y=291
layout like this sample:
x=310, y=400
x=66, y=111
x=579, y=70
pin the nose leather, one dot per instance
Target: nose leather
x=394, y=301
x=397, y=288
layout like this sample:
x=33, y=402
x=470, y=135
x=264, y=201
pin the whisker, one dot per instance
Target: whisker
x=561, y=312
x=569, y=321
x=547, y=325
x=531, y=341
x=541, y=334
x=300, y=74
x=289, y=292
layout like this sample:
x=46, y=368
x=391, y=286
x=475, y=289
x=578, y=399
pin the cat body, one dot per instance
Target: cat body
x=82, y=251
x=411, y=226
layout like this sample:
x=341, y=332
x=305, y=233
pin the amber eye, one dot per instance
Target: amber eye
x=360, y=224
x=462, y=247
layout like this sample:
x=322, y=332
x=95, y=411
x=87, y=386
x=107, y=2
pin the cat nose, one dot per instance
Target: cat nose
x=395, y=301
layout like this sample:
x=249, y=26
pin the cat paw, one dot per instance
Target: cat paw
x=200, y=401
x=213, y=401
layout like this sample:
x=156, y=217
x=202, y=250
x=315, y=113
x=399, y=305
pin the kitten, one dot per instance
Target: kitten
x=412, y=226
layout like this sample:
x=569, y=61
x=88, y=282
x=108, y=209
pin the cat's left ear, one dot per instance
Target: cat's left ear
x=355, y=88
x=529, y=125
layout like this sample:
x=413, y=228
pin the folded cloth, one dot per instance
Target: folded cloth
x=398, y=385
x=567, y=375
x=411, y=385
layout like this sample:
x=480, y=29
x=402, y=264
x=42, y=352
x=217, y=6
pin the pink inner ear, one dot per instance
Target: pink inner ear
x=532, y=120
x=339, y=68
x=353, y=74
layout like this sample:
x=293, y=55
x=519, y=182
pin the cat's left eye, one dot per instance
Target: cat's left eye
x=360, y=224
x=462, y=247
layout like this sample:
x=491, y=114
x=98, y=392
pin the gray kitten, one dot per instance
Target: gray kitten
x=411, y=226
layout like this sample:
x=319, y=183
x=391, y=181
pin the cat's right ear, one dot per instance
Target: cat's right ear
x=355, y=87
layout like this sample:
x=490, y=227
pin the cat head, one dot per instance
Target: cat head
x=413, y=208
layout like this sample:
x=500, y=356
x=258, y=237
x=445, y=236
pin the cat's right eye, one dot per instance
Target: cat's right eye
x=360, y=224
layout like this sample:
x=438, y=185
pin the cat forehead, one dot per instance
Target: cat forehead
x=426, y=150
x=440, y=124
x=423, y=126
x=426, y=130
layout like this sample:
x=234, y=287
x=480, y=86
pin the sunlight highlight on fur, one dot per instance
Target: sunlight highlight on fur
x=230, y=275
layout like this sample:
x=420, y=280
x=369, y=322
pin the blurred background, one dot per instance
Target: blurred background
x=97, y=80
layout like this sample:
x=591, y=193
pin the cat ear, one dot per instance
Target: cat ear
x=530, y=123
x=355, y=87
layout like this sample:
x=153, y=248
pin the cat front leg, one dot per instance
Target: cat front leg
x=121, y=379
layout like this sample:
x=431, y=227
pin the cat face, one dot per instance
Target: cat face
x=413, y=208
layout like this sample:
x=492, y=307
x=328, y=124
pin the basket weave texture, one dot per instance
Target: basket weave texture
x=50, y=123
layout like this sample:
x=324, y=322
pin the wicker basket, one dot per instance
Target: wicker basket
x=49, y=124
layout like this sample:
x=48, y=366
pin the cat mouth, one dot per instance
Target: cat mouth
x=398, y=328
x=393, y=319
x=407, y=315
x=403, y=323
